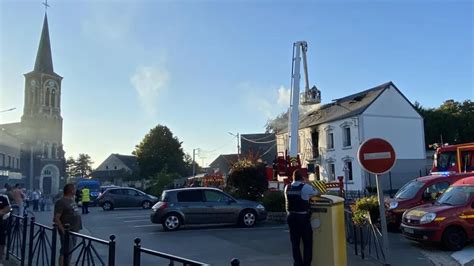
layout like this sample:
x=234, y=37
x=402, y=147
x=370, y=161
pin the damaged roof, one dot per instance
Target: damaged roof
x=341, y=108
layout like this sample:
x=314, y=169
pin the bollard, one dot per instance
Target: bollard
x=235, y=262
x=136, y=252
x=112, y=250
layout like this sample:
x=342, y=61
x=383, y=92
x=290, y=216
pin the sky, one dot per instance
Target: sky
x=207, y=68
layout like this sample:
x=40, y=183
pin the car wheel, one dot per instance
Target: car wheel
x=146, y=204
x=107, y=206
x=171, y=222
x=248, y=218
x=454, y=238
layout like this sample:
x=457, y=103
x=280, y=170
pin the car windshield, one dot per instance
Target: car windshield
x=409, y=190
x=456, y=196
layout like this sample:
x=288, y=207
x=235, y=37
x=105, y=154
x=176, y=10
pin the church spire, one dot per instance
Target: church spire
x=44, y=61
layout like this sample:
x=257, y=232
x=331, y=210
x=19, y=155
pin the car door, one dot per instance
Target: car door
x=117, y=197
x=191, y=202
x=219, y=206
x=132, y=198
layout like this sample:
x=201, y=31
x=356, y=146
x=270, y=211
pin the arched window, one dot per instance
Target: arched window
x=54, y=151
x=47, y=97
x=53, y=98
x=32, y=97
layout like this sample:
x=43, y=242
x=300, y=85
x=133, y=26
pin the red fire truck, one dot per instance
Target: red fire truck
x=454, y=159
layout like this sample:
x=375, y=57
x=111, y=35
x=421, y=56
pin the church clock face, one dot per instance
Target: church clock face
x=51, y=84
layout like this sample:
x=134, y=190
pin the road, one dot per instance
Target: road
x=265, y=244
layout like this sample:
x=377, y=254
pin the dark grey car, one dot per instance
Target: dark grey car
x=204, y=206
x=123, y=197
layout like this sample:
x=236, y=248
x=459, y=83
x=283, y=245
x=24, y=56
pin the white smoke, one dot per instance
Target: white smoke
x=148, y=81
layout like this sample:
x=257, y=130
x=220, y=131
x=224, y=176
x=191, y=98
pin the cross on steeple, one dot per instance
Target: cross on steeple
x=45, y=3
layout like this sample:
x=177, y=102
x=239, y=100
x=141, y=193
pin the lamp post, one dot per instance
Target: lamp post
x=238, y=144
x=194, y=161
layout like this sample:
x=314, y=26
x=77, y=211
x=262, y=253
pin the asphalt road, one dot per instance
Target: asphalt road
x=265, y=244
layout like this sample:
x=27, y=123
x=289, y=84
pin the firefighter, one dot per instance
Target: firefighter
x=85, y=200
x=297, y=195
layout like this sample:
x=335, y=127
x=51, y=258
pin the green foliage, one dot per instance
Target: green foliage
x=247, y=179
x=274, y=201
x=452, y=122
x=82, y=166
x=160, y=150
x=161, y=181
x=363, y=208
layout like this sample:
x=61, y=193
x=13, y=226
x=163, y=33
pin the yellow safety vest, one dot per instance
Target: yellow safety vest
x=85, y=195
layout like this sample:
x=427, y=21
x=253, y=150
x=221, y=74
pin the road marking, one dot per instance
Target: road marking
x=124, y=217
x=200, y=229
x=146, y=225
x=464, y=256
x=133, y=221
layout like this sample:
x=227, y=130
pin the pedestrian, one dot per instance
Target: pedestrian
x=36, y=196
x=18, y=197
x=297, y=196
x=67, y=212
x=78, y=195
x=85, y=200
x=4, y=210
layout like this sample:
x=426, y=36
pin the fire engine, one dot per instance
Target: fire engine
x=454, y=159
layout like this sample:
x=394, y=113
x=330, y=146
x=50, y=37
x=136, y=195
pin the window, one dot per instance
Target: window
x=467, y=161
x=54, y=150
x=190, y=196
x=315, y=142
x=17, y=163
x=2, y=159
x=9, y=161
x=330, y=141
x=53, y=98
x=47, y=97
x=214, y=196
x=348, y=168
x=347, y=137
x=115, y=167
x=433, y=191
x=46, y=150
x=107, y=167
x=331, y=172
x=130, y=192
x=115, y=191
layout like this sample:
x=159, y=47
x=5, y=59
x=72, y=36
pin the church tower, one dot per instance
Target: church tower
x=43, y=155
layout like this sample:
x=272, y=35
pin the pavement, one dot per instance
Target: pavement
x=265, y=244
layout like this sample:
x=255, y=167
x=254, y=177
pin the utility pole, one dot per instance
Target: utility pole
x=238, y=143
x=194, y=161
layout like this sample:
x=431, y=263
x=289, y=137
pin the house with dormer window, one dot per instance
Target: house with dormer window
x=330, y=136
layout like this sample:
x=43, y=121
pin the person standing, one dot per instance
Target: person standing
x=4, y=209
x=36, y=196
x=297, y=195
x=67, y=212
x=85, y=200
x=18, y=197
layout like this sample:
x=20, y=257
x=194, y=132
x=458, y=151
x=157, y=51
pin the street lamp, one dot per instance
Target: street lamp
x=194, y=161
x=238, y=145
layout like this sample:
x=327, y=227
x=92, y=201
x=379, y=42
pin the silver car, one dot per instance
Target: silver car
x=204, y=206
x=123, y=197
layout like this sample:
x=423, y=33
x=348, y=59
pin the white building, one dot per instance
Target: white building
x=330, y=136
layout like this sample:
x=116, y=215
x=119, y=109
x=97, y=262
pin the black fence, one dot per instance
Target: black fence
x=16, y=237
x=366, y=239
x=42, y=244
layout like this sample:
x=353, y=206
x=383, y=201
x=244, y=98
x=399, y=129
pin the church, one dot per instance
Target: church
x=37, y=138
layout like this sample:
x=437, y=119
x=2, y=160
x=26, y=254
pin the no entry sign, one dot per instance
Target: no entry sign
x=376, y=156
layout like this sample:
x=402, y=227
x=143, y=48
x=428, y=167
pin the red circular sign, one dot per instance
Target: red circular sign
x=376, y=156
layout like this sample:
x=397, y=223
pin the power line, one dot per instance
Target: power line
x=258, y=142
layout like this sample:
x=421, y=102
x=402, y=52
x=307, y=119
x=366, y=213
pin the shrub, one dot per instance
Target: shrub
x=274, y=201
x=247, y=180
x=365, y=207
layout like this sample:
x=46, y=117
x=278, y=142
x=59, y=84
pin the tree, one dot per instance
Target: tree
x=161, y=181
x=69, y=166
x=247, y=179
x=82, y=166
x=160, y=150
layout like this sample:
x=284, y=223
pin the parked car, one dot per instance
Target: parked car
x=417, y=192
x=121, y=197
x=204, y=206
x=449, y=220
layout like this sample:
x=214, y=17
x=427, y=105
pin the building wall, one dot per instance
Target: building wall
x=10, y=159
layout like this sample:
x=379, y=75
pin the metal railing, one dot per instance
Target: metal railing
x=42, y=244
x=16, y=237
x=84, y=252
x=138, y=250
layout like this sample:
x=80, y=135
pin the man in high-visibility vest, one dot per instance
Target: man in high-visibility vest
x=85, y=200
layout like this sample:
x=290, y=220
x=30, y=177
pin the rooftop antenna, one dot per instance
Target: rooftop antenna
x=45, y=3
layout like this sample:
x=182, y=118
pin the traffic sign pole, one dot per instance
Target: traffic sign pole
x=383, y=220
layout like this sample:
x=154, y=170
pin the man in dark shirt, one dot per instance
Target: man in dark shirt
x=67, y=212
x=5, y=208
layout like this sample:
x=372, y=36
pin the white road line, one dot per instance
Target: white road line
x=464, y=256
x=146, y=225
x=221, y=229
x=133, y=221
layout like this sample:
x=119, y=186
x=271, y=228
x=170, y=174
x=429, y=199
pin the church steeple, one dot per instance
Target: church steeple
x=44, y=60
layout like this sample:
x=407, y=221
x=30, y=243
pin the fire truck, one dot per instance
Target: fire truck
x=454, y=159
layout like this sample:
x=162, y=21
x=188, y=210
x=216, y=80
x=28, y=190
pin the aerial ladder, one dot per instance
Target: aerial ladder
x=289, y=161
